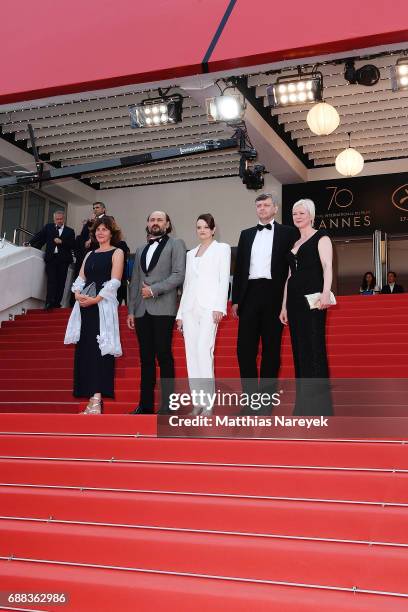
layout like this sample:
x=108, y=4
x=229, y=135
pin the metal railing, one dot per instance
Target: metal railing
x=22, y=230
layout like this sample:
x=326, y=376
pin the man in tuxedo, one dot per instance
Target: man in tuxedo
x=59, y=240
x=391, y=286
x=98, y=211
x=158, y=270
x=261, y=270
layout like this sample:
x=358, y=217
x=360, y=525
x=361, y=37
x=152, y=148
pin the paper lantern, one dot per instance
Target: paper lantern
x=323, y=119
x=349, y=162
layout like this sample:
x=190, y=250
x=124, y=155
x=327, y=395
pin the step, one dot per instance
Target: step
x=247, y=557
x=326, y=453
x=63, y=424
x=253, y=481
x=307, y=519
x=114, y=589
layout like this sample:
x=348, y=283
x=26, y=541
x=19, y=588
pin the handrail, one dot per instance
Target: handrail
x=21, y=229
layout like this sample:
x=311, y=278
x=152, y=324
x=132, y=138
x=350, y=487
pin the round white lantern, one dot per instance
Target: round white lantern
x=323, y=119
x=349, y=162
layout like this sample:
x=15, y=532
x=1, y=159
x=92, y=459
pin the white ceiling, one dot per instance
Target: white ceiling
x=376, y=116
x=95, y=129
x=96, y=126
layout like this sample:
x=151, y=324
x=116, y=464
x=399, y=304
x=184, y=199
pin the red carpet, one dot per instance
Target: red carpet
x=102, y=509
x=367, y=338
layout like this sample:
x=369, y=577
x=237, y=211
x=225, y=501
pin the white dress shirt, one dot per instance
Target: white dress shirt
x=60, y=230
x=391, y=286
x=150, y=252
x=261, y=253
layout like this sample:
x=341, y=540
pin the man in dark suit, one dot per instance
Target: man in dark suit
x=261, y=270
x=391, y=286
x=59, y=240
x=85, y=240
x=158, y=270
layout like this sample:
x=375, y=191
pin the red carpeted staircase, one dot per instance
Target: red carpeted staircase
x=367, y=339
x=102, y=509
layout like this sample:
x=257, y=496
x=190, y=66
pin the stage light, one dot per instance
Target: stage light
x=399, y=75
x=349, y=162
x=157, y=112
x=297, y=89
x=367, y=75
x=323, y=119
x=229, y=108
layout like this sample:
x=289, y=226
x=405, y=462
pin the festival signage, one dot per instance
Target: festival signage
x=355, y=206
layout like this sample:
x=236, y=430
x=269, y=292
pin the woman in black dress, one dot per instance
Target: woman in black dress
x=310, y=271
x=99, y=341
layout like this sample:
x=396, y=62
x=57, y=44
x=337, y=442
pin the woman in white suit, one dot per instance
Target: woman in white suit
x=203, y=303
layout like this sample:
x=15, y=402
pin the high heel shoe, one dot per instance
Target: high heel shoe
x=95, y=406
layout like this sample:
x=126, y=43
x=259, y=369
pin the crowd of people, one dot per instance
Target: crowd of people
x=283, y=276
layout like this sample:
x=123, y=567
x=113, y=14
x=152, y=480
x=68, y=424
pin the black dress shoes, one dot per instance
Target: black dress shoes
x=140, y=410
x=48, y=307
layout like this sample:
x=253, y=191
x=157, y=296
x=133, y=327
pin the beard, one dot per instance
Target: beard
x=156, y=231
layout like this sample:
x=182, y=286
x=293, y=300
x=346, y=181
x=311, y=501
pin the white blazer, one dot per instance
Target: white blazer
x=210, y=286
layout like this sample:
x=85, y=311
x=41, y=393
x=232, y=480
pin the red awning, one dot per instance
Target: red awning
x=265, y=31
x=52, y=48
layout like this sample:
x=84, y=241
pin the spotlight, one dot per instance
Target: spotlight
x=367, y=75
x=399, y=75
x=301, y=89
x=229, y=108
x=156, y=112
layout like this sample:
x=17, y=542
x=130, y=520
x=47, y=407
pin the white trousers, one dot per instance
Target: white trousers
x=199, y=332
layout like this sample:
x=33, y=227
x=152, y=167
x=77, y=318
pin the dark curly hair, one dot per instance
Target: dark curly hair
x=110, y=224
x=364, y=283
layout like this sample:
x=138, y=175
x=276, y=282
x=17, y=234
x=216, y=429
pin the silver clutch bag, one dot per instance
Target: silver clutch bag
x=313, y=298
x=89, y=290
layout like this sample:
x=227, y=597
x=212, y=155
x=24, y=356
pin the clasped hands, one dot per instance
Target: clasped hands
x=57, y=240
x=146, y=292
x=86, y=300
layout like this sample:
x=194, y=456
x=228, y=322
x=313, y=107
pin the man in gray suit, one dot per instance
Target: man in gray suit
x=158, y=270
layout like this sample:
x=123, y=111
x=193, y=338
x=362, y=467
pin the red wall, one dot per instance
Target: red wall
x=57, y=46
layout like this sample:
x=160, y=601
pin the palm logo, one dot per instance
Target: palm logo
x=400, y=198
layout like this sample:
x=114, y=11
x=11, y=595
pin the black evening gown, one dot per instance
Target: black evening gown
x=92, y=372
x=308, y=331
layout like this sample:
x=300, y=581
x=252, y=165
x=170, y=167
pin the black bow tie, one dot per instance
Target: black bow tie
x=260, y=227
x=153, y=240
x=58, y=227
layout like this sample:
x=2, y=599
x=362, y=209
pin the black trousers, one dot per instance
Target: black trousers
x=155, y=334
x=56, y=270
x=259, y=320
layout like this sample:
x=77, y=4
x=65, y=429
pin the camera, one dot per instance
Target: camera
x=251, y=175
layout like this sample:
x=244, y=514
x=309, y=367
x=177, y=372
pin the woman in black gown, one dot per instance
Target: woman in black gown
x=310, y=271
x=94, y=372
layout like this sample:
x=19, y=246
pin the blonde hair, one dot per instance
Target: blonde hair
x=308, y=205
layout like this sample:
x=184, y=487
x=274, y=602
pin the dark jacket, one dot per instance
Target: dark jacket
x=283, y=240
x=397, y=289
x=46, y=236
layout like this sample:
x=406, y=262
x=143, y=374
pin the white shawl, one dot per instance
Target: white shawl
x=108, y=338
